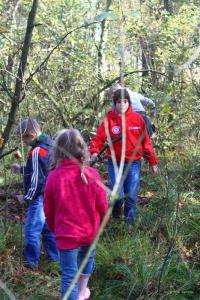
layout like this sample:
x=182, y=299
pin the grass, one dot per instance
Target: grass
x=160, y=258
x=127, y=267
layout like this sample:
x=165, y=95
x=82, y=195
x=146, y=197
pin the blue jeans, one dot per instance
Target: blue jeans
x=34, y=227
x=70, y=260
x=128, y=190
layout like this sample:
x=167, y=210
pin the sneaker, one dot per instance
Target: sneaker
x=86, y=295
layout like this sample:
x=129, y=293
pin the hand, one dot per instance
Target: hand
x=20, y=199
x=15, y=168
x=17, y=155
x=94, y=157
x=154, y=169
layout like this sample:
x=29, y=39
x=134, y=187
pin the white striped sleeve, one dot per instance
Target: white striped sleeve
x=34, y=179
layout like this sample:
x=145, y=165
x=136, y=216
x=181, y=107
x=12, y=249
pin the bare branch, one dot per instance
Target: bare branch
x=20, y=75
x=56, y=105
x=54, y=48
x=8, y=152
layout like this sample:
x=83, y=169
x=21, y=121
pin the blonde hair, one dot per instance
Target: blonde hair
x=28, y=126
x=70, y=144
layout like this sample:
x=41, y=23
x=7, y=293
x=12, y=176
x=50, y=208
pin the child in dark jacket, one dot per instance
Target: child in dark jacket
x=75, y=204
x=35, y=174
x=136, y=144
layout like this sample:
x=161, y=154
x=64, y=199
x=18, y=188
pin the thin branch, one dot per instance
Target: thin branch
x=9, y=73
x=20, y=75
x=4, y=85
x=108, y=84
x=8, y=152
x=54, y=48
x=56, y=105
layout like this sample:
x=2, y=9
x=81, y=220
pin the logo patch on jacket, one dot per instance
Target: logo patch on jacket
x=116, y=129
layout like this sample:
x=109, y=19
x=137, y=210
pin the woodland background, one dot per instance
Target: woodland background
x=57, y=60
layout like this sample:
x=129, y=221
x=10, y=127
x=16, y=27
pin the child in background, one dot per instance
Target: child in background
x=138, y=144
x=35, y=174
x=75, y=203
x=138, y=102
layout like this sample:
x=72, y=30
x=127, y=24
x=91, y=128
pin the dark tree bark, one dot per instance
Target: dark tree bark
x=167, y=5
x=145, y=65
x=19, y=92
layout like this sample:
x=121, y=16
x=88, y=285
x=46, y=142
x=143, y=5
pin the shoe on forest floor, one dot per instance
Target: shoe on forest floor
x=86, y=295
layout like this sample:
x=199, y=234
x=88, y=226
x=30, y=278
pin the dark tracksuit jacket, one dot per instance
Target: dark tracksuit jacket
x=37, y=167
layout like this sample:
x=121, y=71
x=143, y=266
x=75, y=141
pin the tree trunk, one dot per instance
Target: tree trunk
x=145, y=65
x=19, y=93
x=168, y=6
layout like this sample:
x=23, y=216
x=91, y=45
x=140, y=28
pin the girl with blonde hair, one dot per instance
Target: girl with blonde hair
x=75, y=204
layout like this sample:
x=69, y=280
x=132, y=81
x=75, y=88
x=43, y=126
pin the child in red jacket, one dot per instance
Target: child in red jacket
x=128, y=132
x=75, y=204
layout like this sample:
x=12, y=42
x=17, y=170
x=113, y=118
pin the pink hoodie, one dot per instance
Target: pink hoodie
x=74, y=209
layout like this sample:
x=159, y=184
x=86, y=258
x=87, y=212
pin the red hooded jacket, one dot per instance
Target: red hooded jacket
x=138, y=142
x=74, y=209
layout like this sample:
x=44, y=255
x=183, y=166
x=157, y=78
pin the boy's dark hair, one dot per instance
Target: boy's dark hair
x=28, y=126
x=121, y=94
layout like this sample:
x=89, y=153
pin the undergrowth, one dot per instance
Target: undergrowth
x=160, y=259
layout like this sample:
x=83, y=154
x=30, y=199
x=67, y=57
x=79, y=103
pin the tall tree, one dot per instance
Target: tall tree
x=19, y=92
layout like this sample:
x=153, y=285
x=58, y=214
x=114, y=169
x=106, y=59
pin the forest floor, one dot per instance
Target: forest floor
x=160, y=259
